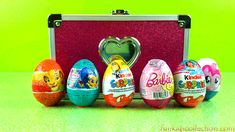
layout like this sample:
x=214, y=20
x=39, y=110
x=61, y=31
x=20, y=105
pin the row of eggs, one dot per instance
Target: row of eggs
x=190, y=84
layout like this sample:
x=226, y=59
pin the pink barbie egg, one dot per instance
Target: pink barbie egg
x=213, y=77
x=48, y=83
x=156, y=84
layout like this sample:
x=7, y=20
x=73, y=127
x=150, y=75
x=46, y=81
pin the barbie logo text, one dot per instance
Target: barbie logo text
x=154, y=79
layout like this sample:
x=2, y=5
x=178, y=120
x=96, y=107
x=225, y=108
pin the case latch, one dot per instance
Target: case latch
x=120, y=12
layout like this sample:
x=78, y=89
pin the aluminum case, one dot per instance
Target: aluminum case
x=74, y=36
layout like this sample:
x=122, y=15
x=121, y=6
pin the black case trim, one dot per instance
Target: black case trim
x=54, y=20
x=184, y=21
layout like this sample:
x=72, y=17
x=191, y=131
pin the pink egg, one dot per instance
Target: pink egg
x=156, y=84
x=212, y=75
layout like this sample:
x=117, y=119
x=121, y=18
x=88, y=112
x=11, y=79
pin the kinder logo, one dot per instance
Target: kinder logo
x=191, y=82
x=188, y=77
x=155, y=79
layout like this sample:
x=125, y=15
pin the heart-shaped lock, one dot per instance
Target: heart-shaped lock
x=128, y=48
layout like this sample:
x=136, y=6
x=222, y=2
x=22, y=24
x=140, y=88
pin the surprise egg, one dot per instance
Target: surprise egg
x=190, y=84
x=213, y=77
x=83, y=83
x=118, y=83
x=48, y=83
x=156, y=84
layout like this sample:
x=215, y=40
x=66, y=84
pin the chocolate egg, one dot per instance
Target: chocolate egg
x=213, y=77
x=83, y=83
x=118, y=83
x=156, y=84
x=190, y=84
x=48, y=83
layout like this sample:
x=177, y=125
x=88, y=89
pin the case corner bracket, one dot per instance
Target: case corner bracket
x=184, y=21
x=54, y=20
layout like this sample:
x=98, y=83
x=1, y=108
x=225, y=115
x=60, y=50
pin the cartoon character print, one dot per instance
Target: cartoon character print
x=212, y=76
x=169, y=86
x=119, y=101
x=73, y=78
x=189, y=64
x=54, y=80
x=189, y=101
x=92, y=81
x=88, y=78
x=116, y=69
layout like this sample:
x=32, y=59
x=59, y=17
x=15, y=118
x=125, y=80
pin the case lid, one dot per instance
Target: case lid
x=75, y=37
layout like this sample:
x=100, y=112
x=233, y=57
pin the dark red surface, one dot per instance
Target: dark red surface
x=76, y=40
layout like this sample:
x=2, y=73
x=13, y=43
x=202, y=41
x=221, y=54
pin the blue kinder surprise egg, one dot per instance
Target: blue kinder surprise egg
x=83, y=83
